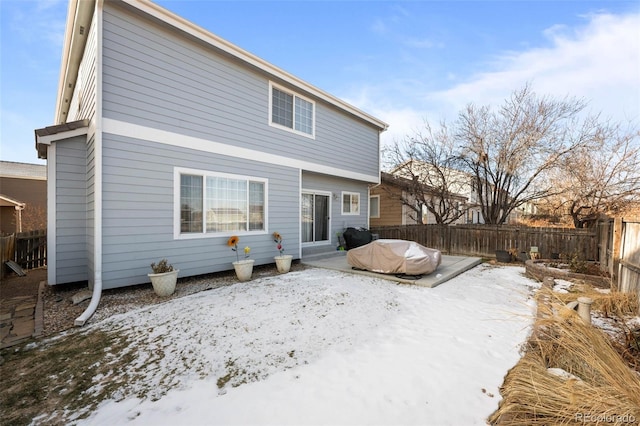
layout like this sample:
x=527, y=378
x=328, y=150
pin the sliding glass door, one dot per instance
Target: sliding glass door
x=315, y=217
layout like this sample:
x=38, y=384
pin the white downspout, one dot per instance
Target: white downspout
x=97, y=195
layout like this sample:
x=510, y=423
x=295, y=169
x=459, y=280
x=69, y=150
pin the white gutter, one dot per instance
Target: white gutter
x=77, y=27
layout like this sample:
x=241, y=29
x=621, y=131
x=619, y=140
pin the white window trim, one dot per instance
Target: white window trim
x=177, y=235
x=295, y=95
x=378, y=198
x=342, y=203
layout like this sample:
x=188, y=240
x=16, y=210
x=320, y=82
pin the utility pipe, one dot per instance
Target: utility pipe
x=584, y=309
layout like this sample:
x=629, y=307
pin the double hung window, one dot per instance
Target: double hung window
x=350, y=203
x=291, y=111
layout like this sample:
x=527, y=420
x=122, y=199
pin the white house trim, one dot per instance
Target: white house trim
x=136, y=131
x=51, y=214
x=48, y=139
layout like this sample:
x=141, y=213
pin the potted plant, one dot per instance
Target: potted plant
x=283, y=261
x=503, y=256
x=163, y=278
x=244, y=267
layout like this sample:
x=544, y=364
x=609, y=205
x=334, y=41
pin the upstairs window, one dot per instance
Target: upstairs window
x=292, y=112
x=350, y=203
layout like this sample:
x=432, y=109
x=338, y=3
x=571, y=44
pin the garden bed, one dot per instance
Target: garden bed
x=572, y=372
x=541, y=268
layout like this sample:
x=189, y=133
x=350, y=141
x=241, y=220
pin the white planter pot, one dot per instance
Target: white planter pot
x=244, y=269
x=283, y=263
x=164, y=284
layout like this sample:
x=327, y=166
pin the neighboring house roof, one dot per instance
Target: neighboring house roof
x=12, y=169
x=10, y=202
x=404, y=183
x=75, y=40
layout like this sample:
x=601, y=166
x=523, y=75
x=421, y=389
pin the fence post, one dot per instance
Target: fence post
x=614, y=262
x=7, y=251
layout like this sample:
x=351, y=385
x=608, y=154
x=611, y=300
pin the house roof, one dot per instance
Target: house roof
x=49, y=134
x=23, y=170
x=10, y=202
x=78, y=21
x=405, y=183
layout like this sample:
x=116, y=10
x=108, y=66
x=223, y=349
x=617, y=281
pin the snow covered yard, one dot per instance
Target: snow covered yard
x=323, y=347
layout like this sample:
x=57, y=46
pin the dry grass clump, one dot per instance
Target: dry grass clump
x=595, y=384
x=614, y=303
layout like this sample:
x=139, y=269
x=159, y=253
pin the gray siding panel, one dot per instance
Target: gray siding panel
x=157, y=78
x=138, y=179
x=71, y=210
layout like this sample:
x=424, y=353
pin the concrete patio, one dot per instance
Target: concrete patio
x=450, y=267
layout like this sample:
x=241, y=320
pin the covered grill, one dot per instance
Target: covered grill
x=395, y=257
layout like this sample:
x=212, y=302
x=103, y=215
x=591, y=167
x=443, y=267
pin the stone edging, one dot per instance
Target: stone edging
x=38, y=325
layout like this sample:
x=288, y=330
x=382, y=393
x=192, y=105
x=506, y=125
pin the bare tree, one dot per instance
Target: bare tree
x=511, y=150
x=601, y=181
x=425, y=167
x=34, y=218
x=512, y=154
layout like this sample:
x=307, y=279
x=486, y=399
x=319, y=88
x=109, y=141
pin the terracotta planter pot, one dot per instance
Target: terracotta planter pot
x=283, y=263
x=164, y=284
x=244, y=269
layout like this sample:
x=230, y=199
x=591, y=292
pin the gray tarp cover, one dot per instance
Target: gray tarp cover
x=395, y=257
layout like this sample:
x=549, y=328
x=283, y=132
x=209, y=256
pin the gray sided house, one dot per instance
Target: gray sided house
x=169, y=139
x=23, y=197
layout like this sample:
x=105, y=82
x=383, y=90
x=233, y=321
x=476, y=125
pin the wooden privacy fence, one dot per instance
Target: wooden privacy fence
x=31, y=249
x=629, y=275
x=27, y=249
x=620, y=245
x=484, y=240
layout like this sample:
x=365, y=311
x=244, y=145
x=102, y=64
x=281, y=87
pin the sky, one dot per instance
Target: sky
x=401, y=61
x=316, y=347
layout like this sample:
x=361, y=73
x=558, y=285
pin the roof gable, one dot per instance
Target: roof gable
x=80, y=17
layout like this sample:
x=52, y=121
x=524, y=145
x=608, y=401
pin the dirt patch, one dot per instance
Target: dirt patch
x=37, y=381
x=16, y=286
x=53, y=380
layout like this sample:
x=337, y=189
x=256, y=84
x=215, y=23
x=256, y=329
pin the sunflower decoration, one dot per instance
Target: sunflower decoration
x=277, y=238
x=233, y=243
